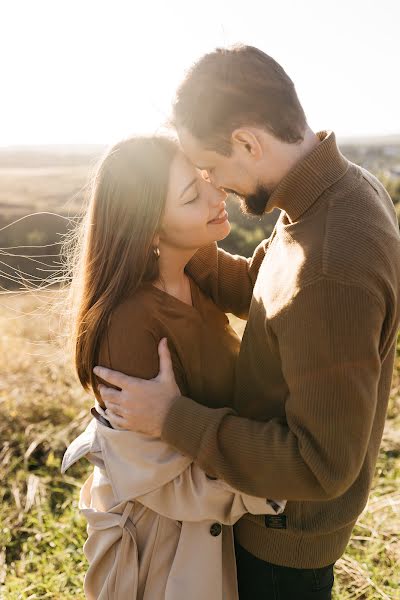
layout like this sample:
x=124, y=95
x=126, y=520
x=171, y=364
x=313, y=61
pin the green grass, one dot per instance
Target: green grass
x=41, y=531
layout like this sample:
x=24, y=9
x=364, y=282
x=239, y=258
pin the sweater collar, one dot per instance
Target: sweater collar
x=305, y=183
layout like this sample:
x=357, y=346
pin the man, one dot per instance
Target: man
x=316, y=361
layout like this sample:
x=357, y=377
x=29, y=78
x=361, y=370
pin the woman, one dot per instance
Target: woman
x=158, y=526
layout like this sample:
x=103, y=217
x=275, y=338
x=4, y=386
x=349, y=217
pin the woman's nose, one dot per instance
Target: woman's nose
x=220, y=195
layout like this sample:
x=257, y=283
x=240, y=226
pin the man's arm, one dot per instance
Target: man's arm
x=150, y=471
x=193, y=496
x=332, y=370
x=227, y=278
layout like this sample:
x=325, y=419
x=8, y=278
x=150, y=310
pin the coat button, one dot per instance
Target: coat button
x=215, y=529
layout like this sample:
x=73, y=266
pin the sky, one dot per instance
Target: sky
x=84, y=71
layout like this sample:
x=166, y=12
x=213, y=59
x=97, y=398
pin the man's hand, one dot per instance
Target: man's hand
x=141, y=405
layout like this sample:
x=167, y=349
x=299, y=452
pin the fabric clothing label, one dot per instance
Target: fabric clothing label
x=275, y=521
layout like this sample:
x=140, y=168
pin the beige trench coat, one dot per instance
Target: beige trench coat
x=158, y=527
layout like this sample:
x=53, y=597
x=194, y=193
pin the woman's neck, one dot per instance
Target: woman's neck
x=172, y=277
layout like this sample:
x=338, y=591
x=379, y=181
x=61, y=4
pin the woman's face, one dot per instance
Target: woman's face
x=195, y=212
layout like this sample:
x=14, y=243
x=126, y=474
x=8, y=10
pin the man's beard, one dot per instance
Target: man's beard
x=256, y=203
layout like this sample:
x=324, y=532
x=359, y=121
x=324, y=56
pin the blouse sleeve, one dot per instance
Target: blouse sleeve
x=130, y=345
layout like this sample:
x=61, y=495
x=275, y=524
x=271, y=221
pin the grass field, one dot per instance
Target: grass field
x=43, y=408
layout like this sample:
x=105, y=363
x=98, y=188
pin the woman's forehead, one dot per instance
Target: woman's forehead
x=182, y=167
x=181, y=175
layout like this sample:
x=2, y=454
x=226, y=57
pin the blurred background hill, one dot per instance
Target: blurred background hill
x=42, y=190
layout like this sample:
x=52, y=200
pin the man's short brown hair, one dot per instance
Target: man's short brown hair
x=235, y=87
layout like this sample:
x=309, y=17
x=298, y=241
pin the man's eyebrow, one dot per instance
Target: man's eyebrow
x=188, y=186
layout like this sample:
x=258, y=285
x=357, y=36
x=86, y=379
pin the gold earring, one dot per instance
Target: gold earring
x=156, y=251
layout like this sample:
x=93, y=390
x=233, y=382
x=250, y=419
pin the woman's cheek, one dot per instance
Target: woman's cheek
x=194, y=229
x=197, y=218
x=190, y=226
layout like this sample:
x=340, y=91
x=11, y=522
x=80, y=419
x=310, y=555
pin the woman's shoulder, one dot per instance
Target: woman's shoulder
x=132, y=325
x=131, y=338
x=138, y=309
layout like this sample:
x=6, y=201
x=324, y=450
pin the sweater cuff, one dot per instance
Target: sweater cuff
x=186, y=424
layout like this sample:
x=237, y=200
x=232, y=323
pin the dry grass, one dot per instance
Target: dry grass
x=43, y=408
x=42, y=534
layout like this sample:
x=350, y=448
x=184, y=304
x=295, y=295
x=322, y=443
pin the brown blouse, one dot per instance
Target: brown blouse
x=203, y=345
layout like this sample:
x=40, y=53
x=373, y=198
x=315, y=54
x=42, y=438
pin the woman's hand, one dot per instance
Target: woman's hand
x=142, y=405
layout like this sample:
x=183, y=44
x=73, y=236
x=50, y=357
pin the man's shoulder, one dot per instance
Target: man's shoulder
x=351, y=235
x=361, y=215
x=372, y=181
x=367, y=194
x=361, y=238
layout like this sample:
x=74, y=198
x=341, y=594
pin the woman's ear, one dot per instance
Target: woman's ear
x=248, y=142
x=156, y=240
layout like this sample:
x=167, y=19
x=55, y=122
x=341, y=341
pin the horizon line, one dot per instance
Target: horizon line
x=27, y=145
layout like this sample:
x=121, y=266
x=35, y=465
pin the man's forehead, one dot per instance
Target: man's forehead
x=201, y=160
x=186, y=140
x=191, y=146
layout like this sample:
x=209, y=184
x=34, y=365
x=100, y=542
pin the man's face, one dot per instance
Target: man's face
x=235, y=174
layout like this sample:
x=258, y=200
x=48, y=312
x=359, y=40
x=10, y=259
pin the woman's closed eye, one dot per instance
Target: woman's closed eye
x=192, y=200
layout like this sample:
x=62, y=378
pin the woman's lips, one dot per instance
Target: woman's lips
x=220, y=218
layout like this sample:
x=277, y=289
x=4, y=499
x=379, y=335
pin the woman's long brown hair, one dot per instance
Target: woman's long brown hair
x=113, y=246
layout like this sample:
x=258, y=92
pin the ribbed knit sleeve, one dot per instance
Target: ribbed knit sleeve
x=130, y=346
x=329, y=336
x=227, y=278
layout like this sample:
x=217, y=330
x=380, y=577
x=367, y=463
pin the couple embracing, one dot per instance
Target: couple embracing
x=227, y=469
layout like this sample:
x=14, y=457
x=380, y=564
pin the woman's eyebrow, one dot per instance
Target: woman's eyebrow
x=188, y=186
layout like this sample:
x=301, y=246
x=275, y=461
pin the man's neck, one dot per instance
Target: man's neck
x=293, y=154
x=310, y=141
x=318, y=169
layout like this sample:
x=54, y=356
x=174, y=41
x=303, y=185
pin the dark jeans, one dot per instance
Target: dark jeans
x=260, y=580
